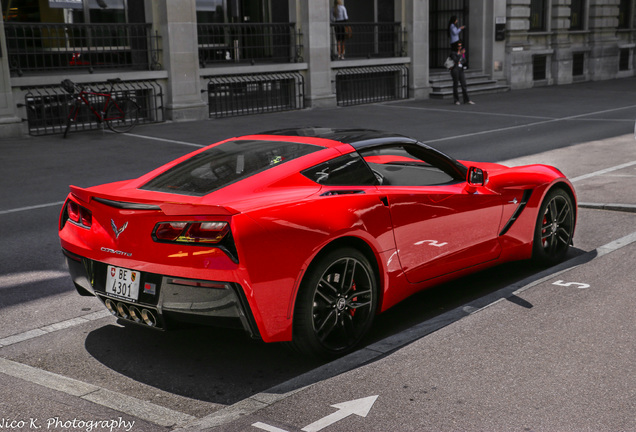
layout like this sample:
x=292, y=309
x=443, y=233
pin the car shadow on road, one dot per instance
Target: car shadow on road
x=222, y=366
x=225, y=366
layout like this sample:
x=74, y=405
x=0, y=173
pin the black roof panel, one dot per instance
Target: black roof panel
x=356, y=137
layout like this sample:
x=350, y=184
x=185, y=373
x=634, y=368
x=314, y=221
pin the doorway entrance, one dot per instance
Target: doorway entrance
x=440, y=12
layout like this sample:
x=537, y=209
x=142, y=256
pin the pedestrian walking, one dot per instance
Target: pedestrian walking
x=340, y=17
x=457, y=73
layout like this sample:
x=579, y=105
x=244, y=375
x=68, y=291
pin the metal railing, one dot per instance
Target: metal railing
x=249, y=43
x=47, y=107
x=235, y=95
x=370, y=40
x=36, y=47
x=362, y=85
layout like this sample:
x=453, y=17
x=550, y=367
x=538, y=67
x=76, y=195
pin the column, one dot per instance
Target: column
x=604, y=52
x=519, y=65
x=10, y=123
x=560, y=41
x=315, y=22
x=178, y=24
x=415, y=18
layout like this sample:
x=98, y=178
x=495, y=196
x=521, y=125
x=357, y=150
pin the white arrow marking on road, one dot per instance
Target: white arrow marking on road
x=359, y=407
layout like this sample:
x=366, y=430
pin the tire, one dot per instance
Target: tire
x=72, y=115
x=122, y=115
x=554, y=228
x=336, y=304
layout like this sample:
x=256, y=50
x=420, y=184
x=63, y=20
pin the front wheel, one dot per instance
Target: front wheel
x=122, y=115
x=336, y=304
x=554, y=228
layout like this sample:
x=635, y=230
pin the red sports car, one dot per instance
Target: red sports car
x=305, y=235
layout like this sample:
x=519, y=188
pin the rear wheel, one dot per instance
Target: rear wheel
x=554, y=228
x=122, y=115
x=336, y=304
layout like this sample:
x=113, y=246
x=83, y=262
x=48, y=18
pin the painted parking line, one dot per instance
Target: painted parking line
x=542, y=121
x=383, y=347
x=603, y=171
x=33, y=207
x=167, y=140
x=37, y=276
x=138, y=408
x=44, y=330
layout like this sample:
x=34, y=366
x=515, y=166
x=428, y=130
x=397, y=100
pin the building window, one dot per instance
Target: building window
x=537, y=15
x=74, y=11
x=578, y=64
x=539, y=63
x=624, y=14
x=577, y=10
x=623, y=59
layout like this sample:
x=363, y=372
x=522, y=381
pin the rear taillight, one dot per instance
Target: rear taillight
x=191, y=232
x=76, y=214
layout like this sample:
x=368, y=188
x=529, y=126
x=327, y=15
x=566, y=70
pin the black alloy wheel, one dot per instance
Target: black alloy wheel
x=336, y=304
x=554, y=228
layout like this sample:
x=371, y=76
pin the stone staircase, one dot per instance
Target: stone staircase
x=476, y=82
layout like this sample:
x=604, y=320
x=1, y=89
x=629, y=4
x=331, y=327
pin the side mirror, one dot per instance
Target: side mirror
x=477, y=177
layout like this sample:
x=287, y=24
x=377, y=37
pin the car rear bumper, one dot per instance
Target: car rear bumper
x=164, y=301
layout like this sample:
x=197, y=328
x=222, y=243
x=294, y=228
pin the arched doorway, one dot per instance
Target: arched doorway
x=440, y=12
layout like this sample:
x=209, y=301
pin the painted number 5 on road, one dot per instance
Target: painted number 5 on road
x=578, y=285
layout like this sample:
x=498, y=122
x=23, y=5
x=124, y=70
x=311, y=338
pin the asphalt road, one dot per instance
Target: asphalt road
x=542, y=357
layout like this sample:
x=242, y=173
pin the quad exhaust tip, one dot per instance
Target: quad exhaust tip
x=131, y=313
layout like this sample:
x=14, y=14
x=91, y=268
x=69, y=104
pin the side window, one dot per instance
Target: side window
x=404, y=165
x=347, y=170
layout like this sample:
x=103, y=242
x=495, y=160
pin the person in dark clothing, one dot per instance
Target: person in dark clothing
x=457, y=73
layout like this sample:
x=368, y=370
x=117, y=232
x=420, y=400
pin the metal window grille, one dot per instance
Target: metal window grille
x=578, y=64
x=623, y=59
x=36, y=47
x=539, y=63
x=249, y=43
x=47, y=107
x=355, y=86
x=235, y=95
x=440, y=12
x=370, y=40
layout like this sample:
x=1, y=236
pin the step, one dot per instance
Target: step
x=472, y=90
x=446, y=84
x=435, y=77
x=476, y=83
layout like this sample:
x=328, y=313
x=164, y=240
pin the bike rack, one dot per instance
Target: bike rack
x=47, y=107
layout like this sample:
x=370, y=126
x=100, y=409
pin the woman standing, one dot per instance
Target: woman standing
x=457, y=73
x=339, y=16
x=454, y=30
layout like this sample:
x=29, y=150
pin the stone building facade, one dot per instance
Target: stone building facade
x=210, y=58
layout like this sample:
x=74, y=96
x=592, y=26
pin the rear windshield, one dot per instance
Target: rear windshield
x=225, y=164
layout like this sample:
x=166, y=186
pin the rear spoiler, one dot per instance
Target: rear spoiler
x=168, y=208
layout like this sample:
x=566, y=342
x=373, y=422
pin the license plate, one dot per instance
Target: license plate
x=122, y=283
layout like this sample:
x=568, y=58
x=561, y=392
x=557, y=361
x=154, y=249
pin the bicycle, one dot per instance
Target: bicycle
x=120, y=115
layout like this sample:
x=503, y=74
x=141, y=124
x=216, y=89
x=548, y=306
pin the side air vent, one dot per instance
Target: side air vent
x=522, y=205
